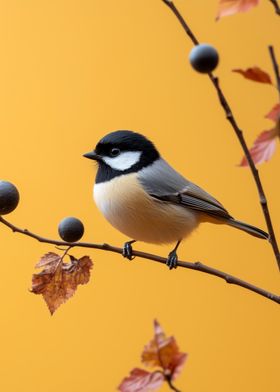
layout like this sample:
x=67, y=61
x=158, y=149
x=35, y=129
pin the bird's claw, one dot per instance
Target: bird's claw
x=127, y=251
x=171, y=260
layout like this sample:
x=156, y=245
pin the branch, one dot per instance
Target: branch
x=275, y=67
x=276, y=6
x=230, y=117
x=197, y=266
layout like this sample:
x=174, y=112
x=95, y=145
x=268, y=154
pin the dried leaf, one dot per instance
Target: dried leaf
x=164, y=352
x=256, y=74
x=58, y=281
x=231, y=7
x=141, y=381
x=49, y=259
x=263, y=147
x=274, y=114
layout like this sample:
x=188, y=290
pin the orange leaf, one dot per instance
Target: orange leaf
x=231, y=7
x=263, y=147
x=141, y=381
x=274, y=114
x=163, y=351
x=256, y=74
x=58, y=281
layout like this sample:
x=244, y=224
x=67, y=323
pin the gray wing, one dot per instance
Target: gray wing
x=164, y=183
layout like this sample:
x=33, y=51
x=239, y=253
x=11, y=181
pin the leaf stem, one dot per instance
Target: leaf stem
x=230, y=117
x=196, y=266
x=62, y=256
x=170, y=384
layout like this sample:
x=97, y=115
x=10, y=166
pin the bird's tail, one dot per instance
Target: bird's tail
x=248, y=228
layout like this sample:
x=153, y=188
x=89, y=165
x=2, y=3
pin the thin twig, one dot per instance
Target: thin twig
x=276, y=6
x=197, y=266
x=254, y=170
x=239, y=134
x=275, y=67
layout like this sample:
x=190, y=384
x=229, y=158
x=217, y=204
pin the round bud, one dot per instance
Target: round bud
x=71, y=229
x=9, y=197
x=204, y=58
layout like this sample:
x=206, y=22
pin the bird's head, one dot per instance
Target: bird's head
x=122, y=152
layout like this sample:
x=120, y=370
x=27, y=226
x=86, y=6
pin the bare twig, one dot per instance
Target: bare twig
x=275, y=67
x=239, y=134
x=254, y=170
x=197, y=266
x=276, y=6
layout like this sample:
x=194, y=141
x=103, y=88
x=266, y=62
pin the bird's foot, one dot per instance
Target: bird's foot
x=127, y=250
x=172, y=259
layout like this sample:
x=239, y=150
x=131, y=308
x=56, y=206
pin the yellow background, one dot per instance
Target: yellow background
x=70, y=72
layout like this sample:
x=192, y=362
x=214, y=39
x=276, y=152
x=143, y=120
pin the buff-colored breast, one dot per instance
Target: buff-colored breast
x=132, y=211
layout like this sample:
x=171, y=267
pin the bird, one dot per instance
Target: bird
x=145, y=198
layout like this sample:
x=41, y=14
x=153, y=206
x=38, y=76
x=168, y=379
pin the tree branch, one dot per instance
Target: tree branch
x=276, y=6
x=197, y=266
x=230, y=117
x=275, y=67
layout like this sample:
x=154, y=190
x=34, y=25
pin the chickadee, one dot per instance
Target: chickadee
x=142, y=196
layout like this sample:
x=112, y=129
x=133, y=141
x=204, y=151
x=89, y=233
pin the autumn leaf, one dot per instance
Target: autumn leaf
x=231, y=7
x=140, y=380
x=274, y=114
x=163, y=351
x=49, y=260
x=263, y=147
x=255, y=73
x=58, y=281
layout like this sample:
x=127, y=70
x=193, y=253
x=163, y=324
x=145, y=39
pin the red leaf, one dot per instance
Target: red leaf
x=274, y=114
x=255, y=73
x=141, y=381
x=263, y=147
x=164, y=352
x=179, y=361
x=231, y=7
x=58, y=281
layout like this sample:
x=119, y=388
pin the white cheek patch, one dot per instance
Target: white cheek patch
x=123, y=161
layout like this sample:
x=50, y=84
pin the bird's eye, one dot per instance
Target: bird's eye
x=115, y=152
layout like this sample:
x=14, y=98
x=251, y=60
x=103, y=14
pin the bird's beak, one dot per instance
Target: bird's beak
x=92, y=155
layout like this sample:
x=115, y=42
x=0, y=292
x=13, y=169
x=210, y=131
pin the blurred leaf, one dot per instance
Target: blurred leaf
x=58, y=281
x=256, y=74
x=274, y=114
x=231, y=7
x=141, y=381
x=163, y=351
x=263, y=147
